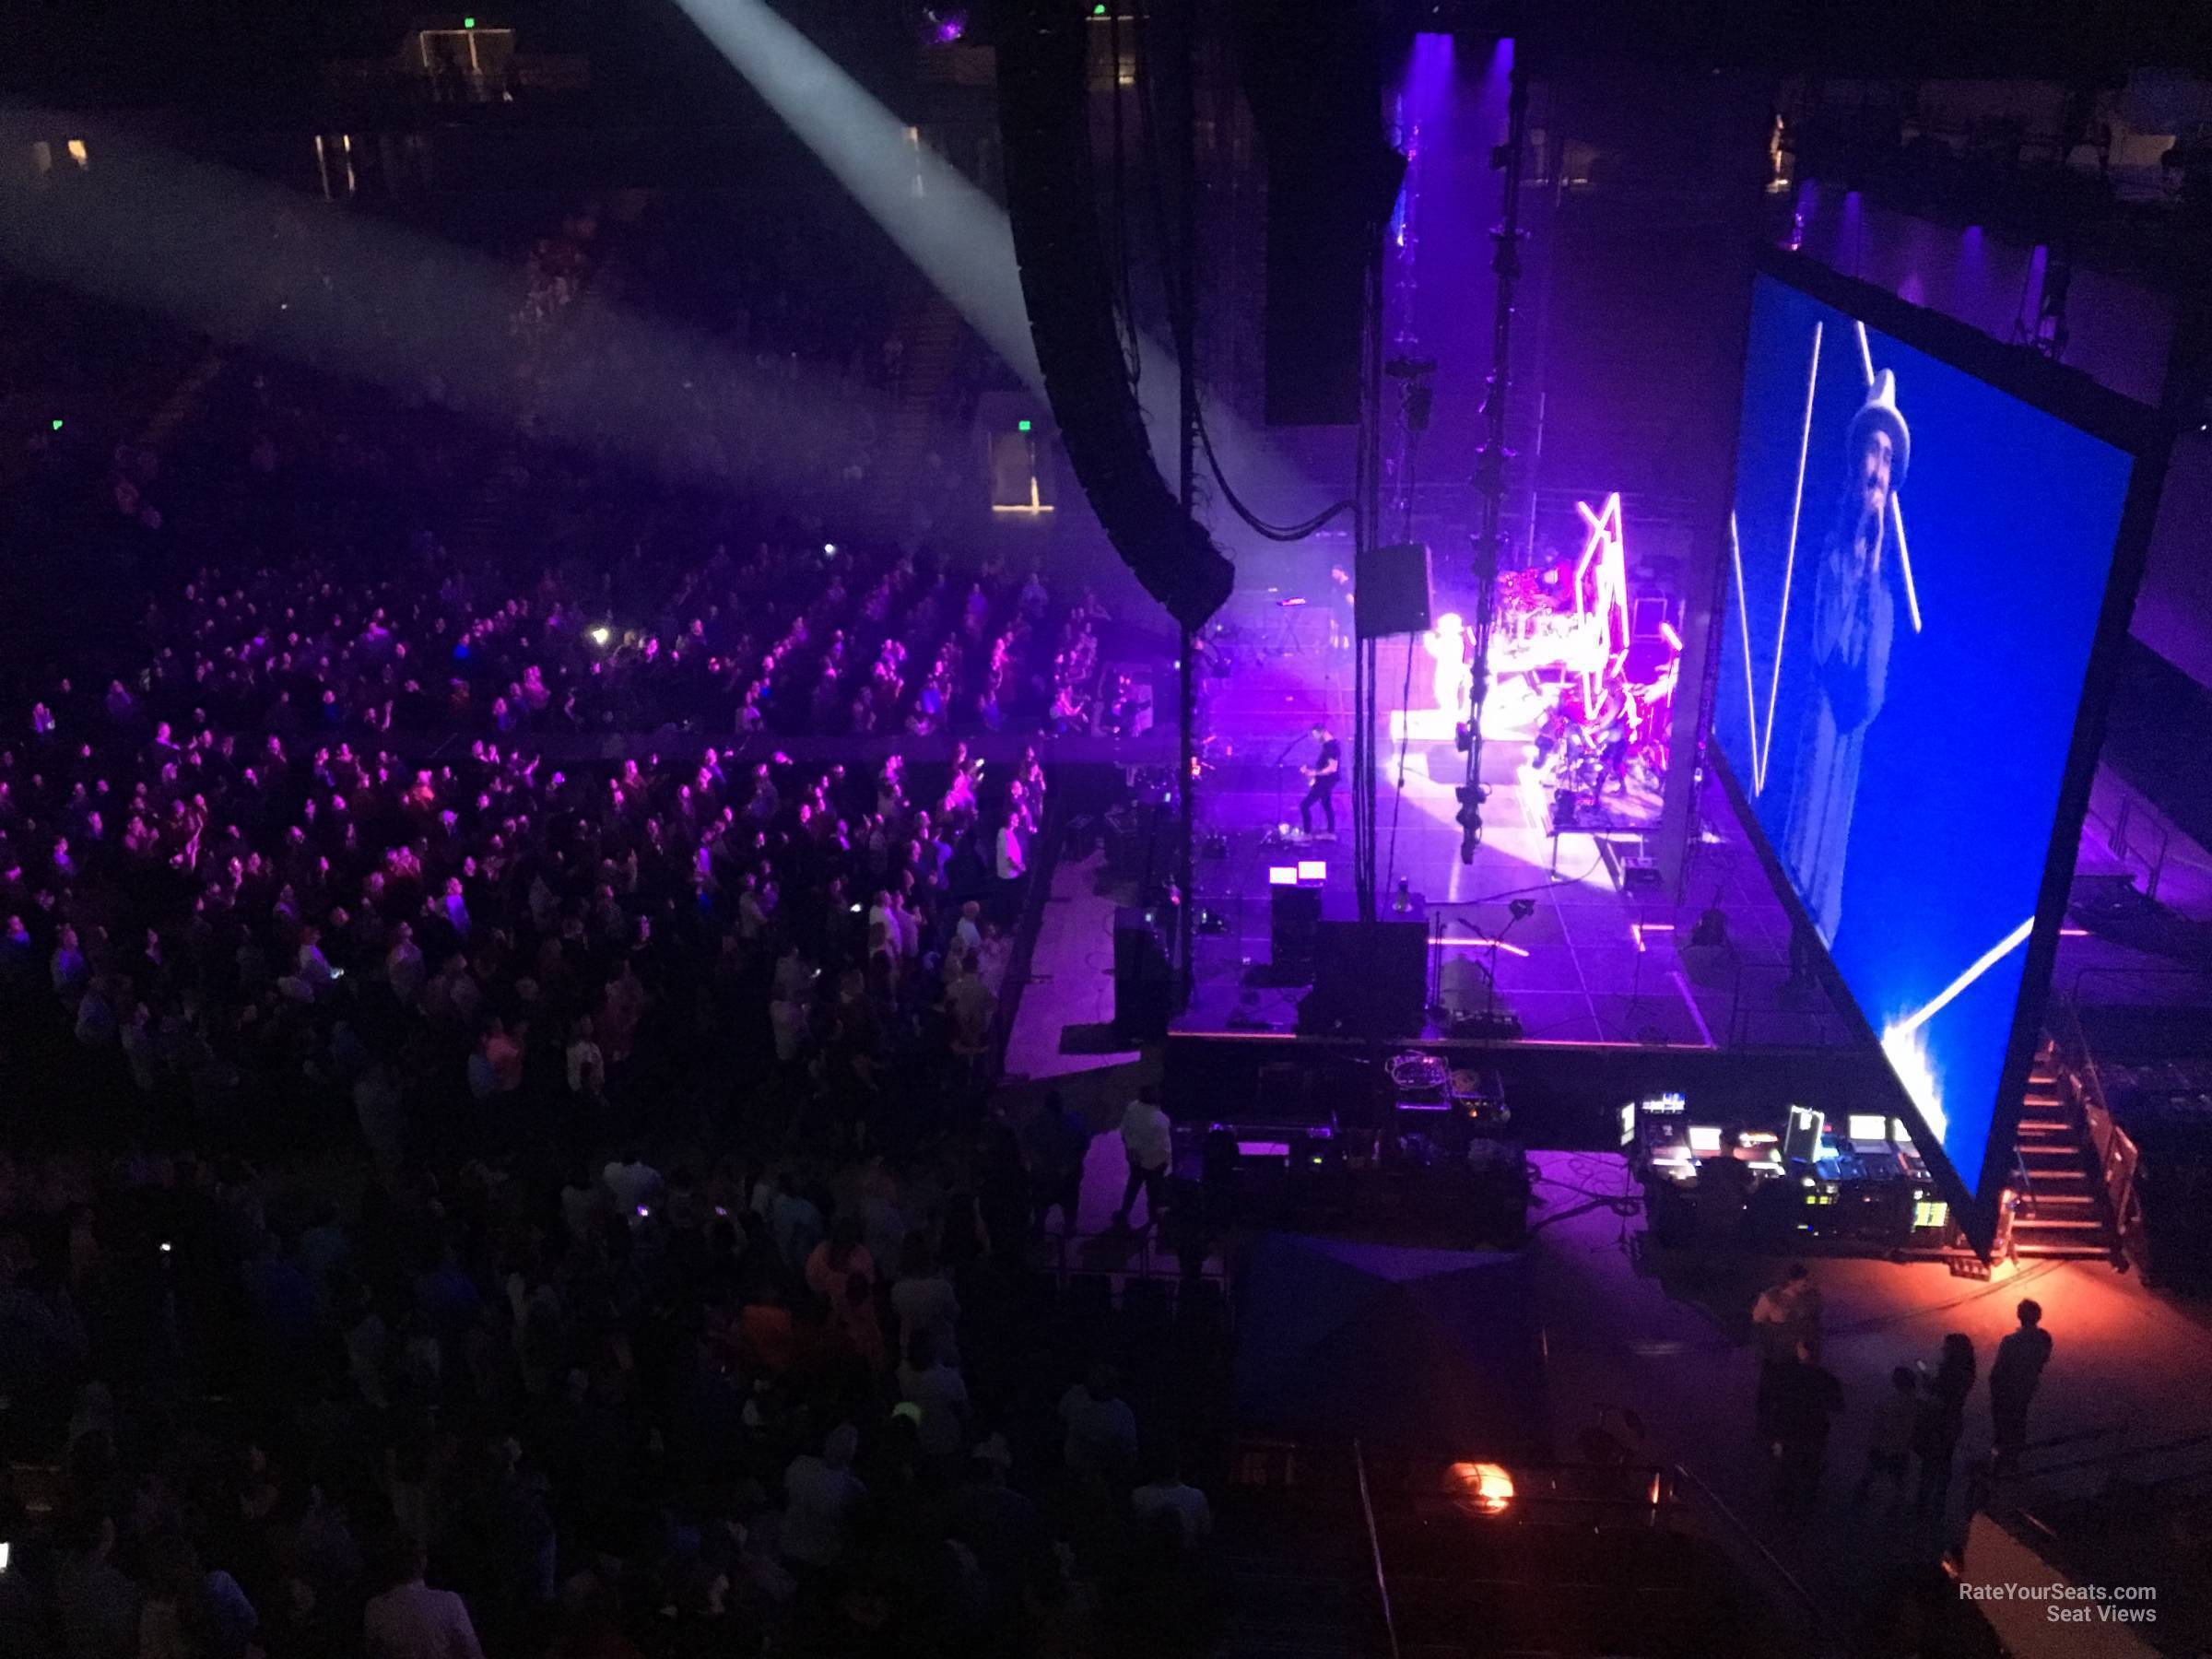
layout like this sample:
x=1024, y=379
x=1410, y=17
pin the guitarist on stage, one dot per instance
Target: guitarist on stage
x=1321, y=785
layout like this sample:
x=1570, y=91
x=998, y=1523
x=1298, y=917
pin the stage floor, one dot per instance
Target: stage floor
x=1592, y=964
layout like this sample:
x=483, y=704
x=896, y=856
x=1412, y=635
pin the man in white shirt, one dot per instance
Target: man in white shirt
x=403, y=964
x=412, y=1621
x=967, y=932
x=819, y=1496
x=1149, y=1140
x=942, y=1394
x=587, y=1064
x=633, y=1182
x=1166, y=1494
x=787, y=1024
x=1011, y=861
x=1101, y=1428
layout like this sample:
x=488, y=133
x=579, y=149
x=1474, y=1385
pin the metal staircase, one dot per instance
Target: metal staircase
x=2062, y=1206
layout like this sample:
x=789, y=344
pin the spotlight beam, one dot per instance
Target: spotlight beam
x=960, y=240
x=255, y=264
x=950, y=229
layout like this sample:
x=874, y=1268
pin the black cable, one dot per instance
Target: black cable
x=1169, y=288
x=1281, y=533
x=1537, y=886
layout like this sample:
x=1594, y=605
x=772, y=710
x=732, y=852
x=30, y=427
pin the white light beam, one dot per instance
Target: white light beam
x=1982, y=965
x=1789, y=561
x=962, y=240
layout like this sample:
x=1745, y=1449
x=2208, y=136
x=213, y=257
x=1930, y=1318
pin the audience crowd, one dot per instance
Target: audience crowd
x=595, y=1208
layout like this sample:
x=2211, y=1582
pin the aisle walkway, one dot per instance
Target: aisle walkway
x=1065, y=1023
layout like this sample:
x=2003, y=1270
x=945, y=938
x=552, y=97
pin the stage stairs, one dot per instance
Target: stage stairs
x=931, y=328
x=2063, y=1211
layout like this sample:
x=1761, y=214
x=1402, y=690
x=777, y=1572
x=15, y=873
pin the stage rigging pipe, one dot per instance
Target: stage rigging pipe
x=1492, y=455
x=1185, y=323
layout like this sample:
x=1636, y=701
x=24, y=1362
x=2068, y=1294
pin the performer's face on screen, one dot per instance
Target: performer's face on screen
x=1875, y=459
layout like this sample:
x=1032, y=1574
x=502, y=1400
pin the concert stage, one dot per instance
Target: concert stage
x=1609, y=995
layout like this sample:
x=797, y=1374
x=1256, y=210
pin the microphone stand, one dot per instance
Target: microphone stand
x=1490, y=1007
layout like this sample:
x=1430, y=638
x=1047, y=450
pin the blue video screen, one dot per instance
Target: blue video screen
x=1918, y=562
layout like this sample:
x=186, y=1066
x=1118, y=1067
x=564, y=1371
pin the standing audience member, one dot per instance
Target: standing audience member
x=1807, y=1399
x=1166, y=1492
x=2013, y=1377
x=1941, y=1422
x=822, y=1498
x=1148, y=1143
x=1786, y=1313
x=1889, y=1447
x=1101, y=1428
x=1055, y=1145
x=409, y=1620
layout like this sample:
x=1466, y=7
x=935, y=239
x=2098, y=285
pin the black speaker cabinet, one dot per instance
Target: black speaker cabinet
x=1144, y=979
x=1371, y=978
x=1293, y=929
x=1390, y=591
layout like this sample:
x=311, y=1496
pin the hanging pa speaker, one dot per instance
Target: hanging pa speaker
x=1067, y=281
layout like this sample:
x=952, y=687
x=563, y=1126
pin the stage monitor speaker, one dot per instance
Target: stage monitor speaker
x=1144, y=980
x=1390, y=591
x=1371, y=978
x=1292, y=931
x=1293, y=927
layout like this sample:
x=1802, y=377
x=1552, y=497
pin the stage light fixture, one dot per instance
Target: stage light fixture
x=1313, y=869
x=1282, y=875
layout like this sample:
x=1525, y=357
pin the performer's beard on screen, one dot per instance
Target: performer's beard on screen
x=1866, y=516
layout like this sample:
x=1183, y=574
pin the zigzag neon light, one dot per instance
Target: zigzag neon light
x=1789, y=559
x=1603, y=609
x=1743, y=618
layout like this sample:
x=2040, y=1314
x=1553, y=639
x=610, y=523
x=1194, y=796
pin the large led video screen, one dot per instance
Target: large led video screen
x=1919, y=564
